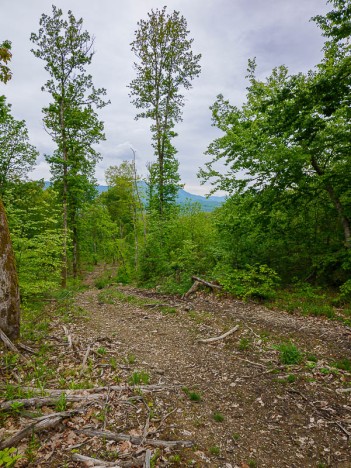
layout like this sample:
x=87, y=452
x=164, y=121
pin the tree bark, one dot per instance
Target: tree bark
x=9, y=291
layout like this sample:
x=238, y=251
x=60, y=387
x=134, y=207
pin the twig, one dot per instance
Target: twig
x=69, y=338
x=85, y=360
x=147, y=462
x=257, y=364
x=105, y=408
x=343, y=429
x=221, y=337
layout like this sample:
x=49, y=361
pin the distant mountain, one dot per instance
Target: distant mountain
x=207, y=204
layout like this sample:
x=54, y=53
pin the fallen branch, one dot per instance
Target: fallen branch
x=119, y=437
x=85, y=360
x=147, y=462
x=46, y=401
x=48, y=423
x=206, y=283
x=8, y=343
x=197, y=283
x=26, y=348
x=343, y=390
x=114, y=388
x=61, y=414
x=102, y=463
x=221, y=337
x=68, y=335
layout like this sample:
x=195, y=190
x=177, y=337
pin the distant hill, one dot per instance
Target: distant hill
x=207, y=204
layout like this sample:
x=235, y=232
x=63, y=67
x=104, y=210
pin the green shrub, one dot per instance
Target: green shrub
x=289, y=353
x=255, y=281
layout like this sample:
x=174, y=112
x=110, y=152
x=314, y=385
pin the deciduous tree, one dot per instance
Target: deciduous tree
x=70, y=118
x=166, y=65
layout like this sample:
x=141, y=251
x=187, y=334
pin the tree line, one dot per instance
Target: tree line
x=286, y=152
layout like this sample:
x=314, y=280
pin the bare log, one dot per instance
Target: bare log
x=193, y=289
x=47, y=401
x=206, y=283
x=48, y=423
x=197, y=283
x=119, y=437
x=221, y=337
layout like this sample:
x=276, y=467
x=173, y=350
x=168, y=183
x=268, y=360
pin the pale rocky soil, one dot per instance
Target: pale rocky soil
x=268, y=422
x=272, y=415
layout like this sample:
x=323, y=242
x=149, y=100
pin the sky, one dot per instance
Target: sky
x=226, y=32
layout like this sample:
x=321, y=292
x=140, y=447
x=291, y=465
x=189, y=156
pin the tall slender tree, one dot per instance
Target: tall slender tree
x=165, y=66
x=70, y=118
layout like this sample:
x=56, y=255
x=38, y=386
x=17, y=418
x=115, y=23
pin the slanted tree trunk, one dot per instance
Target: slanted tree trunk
x=9, y=291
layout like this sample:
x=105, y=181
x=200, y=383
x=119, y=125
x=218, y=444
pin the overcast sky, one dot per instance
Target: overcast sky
x=225, y=32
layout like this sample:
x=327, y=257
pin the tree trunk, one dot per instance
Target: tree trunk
x=9, y=291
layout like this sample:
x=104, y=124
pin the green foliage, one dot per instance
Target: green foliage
x=258, y=281
x=345, y=291
x=289, y=354
x=17, y=155
x=343, y=364
x=139, y=378
x=177, y=248
x=192, y=395
x=288, y=168
x=9, y=457
x=5, y=57
x=61, y=404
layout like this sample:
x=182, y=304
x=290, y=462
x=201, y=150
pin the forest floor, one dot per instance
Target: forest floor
x=234, y=402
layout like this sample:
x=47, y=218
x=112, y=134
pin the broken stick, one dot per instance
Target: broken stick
x=47, y=423
x=221, y=337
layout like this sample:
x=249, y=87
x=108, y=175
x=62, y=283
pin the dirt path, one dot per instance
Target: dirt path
x=253, y=411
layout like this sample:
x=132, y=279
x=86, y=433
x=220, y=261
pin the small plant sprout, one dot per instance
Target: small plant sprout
x=16, y=407
x=215, y=450
x=101, y=351
x=193, y=396
x=139, y=377
x=218, y=417
x=130, y=359
x=61, y=404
